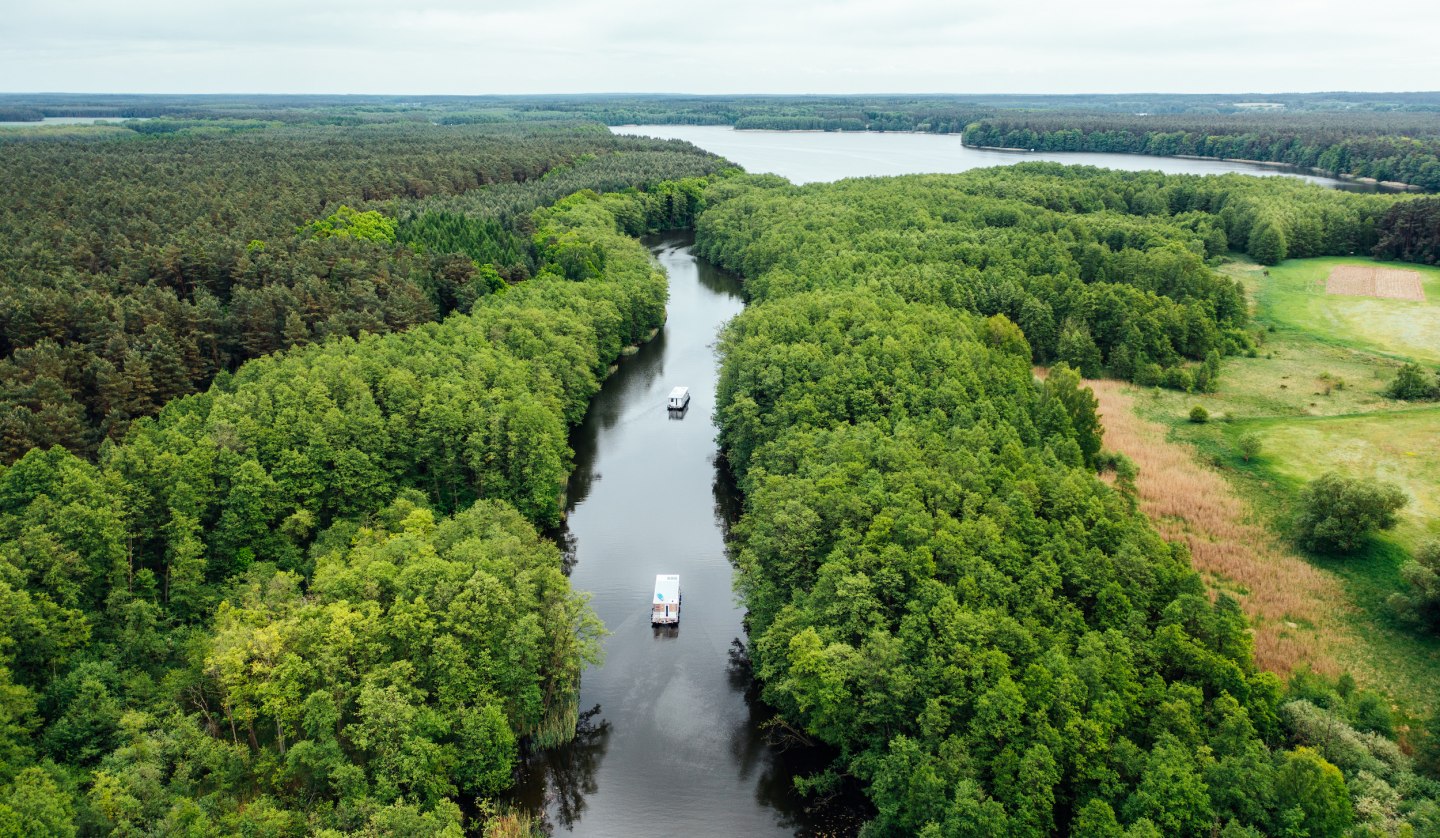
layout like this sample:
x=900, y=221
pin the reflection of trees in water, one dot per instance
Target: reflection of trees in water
x=728, y=504
x=569, y=772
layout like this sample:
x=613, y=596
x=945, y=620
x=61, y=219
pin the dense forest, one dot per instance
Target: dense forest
x=312, y=597
x=1104, y=270
x=1401, y=146
x=287, y=390
x=1410, y=231
x=138, y=268
x=1384, y=136
x=939, y=586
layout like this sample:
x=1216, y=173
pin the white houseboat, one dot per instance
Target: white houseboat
x=665, y=607
x=679, y=398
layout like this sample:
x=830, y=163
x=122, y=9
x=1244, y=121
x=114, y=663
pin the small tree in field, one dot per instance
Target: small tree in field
x=1411, y=384
x=1199, y=415
x=1249, y=445
x=1337, y=513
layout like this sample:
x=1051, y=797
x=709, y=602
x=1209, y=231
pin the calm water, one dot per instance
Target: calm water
x=823, y=156
x=672, y=743
x=66, y=120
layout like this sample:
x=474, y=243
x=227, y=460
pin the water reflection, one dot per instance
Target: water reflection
x=567, y=774
x=681, y=740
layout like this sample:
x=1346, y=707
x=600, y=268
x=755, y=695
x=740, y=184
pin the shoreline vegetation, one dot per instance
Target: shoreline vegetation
x=879, y=532
x=275, y=461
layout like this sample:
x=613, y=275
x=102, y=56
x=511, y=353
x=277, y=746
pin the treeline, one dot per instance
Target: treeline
x=1402, y=146
x=1104, y=270
x=140, y=268
x=1410, y=231
x=313, y=597
x=938, y=586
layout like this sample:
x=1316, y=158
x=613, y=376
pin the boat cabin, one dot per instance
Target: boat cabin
x=679, y=398
x=665, y=606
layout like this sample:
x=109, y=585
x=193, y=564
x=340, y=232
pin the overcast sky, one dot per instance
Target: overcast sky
x=762, y=46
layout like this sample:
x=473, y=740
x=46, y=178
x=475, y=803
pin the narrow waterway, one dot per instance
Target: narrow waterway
x=670, y=742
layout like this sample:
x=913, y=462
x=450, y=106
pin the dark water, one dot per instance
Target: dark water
x=671, y=744
x=824, y=156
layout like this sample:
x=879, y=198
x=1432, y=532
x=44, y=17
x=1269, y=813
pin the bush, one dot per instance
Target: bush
x=1338, y=513
x=1199, y=415
x=1412, y=384
x=1249, y=445
x=1422, y=603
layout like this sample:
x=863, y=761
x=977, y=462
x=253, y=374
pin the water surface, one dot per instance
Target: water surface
x=672, y=742
x=824, y=156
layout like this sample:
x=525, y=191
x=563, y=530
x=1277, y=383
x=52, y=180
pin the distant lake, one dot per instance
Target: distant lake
x=823, y=156
x=67, y=120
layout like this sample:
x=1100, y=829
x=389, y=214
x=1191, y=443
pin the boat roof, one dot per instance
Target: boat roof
x=667, y=588
x=679, y=391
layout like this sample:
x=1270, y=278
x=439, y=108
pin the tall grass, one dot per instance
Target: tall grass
x=1296, y=609
x=557, y=726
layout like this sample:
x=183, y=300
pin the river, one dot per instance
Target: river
x=824, y=156
x=671, y=740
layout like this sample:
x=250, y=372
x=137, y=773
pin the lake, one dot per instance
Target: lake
x=824, y=156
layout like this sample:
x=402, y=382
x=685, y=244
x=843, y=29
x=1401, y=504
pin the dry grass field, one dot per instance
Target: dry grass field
x=1297, y=610
x=1370, y=281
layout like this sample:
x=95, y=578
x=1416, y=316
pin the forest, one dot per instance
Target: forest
x=312, y=595
x=938, y=585
x=1103, y=270
x=140, y=267
x=288, y=391
x=1401, y=146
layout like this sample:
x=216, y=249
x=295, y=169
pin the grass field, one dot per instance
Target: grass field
x=1294, y=295
x=1314, y=397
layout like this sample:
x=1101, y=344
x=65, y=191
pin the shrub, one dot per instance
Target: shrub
x=1249, y=445
x=1199, y=415
x=1422, y=603
x=1338, y=513
x=1412, y=384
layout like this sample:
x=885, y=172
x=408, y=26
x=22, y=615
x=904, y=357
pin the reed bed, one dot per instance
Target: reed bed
x=1296, y=609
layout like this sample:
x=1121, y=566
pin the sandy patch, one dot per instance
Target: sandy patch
x=1366, y=281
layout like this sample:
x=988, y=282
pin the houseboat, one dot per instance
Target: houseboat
x=679, y=398
x=665, y=606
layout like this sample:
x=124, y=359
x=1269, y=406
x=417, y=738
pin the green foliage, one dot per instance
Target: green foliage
x=1199, y=415
x=230, y=625
x=369, y=226
x=108, y=315
x=1249, y=445
x=1396, y=147
x=1307, y=784
x=1058, y=251
x=1422, y=573
x=1410, y=231
x=1412, y=383
x=1337, y=513
x=938, y=587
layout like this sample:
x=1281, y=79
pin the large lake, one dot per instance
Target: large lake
x=823, y=156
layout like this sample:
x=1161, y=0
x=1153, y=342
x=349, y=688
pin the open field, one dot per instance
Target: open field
x=1398, y=447
x=1291, y=604
x=1385, y=283
x=1294, y=295
x=1314, y=397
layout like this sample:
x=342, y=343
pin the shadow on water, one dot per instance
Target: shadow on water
x=676, y=734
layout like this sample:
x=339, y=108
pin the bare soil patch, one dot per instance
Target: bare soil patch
x=1295, y=609
x=1367, y=281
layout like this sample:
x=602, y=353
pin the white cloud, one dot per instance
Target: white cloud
x=454, y=46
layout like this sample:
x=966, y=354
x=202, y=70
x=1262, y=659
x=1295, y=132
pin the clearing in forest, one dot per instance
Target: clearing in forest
x=1294, y=607
x=1368, y=281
